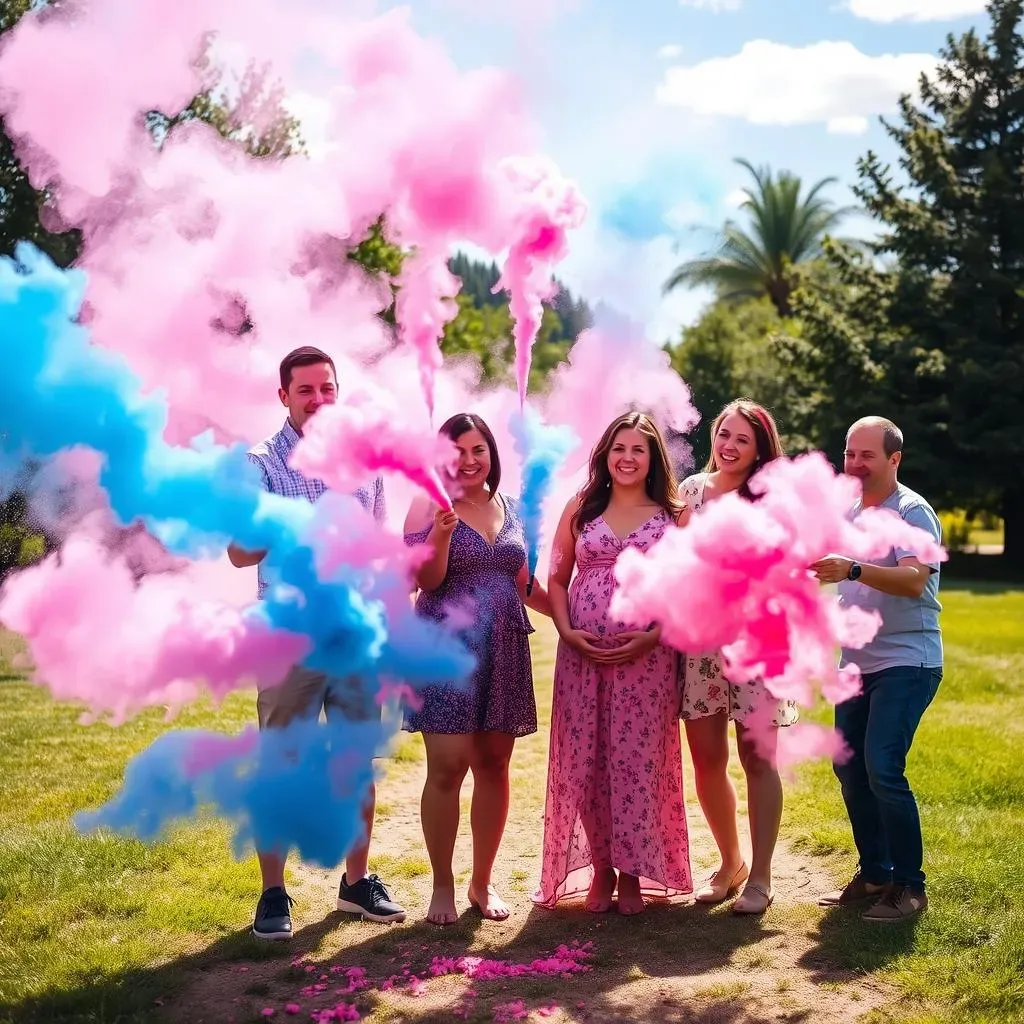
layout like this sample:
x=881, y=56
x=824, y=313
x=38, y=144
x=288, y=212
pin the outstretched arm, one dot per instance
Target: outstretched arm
x=908, y=578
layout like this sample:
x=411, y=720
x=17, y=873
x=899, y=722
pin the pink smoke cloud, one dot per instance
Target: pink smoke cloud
x=188, y=243
x=208, y=750
x=140, y=645
x=736, y=578
x=614, y=368
x=553, y=207
x=362, y=435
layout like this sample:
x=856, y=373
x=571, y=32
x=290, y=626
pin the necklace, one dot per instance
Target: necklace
x=475, y=504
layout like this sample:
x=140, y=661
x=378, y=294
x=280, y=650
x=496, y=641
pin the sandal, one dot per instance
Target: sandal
x=754, y=900
x=718, y=889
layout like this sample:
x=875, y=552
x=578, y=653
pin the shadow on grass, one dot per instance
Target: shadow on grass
x=1010, y=581
x=843, y=939
x=236, y=976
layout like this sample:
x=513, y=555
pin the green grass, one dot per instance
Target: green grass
x=965, y=957
x=97, y=928
x=74, y=907
x=980, y=538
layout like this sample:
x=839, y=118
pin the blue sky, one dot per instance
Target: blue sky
x=646, y=103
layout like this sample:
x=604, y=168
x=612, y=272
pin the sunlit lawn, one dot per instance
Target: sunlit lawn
x=78, y=913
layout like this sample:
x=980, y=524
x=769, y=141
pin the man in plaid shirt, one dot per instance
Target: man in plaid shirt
x=309, y=380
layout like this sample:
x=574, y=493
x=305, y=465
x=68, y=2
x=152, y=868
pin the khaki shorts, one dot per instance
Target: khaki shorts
x=304, y=694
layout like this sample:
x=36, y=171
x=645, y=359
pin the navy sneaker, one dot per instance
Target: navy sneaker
x=370, y=899
x=273, y=915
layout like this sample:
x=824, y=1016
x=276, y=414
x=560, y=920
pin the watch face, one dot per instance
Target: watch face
x=855, y=571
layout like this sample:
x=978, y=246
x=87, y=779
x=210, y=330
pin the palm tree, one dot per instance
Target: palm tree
x=786, y=229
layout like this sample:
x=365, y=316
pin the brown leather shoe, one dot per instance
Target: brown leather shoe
x=901, y=903
x=857, y=890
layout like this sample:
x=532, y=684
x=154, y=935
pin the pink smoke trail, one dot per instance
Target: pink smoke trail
x=187, y=244
x=343, y=534
x=363, y=434
x=552, y=206
x=142, y=645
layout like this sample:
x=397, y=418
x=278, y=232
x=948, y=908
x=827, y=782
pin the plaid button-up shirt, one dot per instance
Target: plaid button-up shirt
x=271, y=458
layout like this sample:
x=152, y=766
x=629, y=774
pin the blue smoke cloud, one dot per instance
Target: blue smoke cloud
x=542, y=448
x=195, y=499
x=639, y=211
x=59, y=391
x=302, y=787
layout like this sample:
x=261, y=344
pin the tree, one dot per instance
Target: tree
x=484, y=333
x=727, y=355
x=786, y=229
x=850, y=358
x=941, y=330
x=482, y=328
x=19, y=201
x=257, y=100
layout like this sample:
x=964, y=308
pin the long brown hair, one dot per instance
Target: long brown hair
x=661, y=484
x=766, y=439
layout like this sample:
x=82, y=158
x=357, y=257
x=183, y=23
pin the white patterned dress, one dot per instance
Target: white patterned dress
x=706, y=691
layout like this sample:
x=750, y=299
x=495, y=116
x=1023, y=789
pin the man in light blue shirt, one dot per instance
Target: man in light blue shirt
x=309, y=381
x=901, y=670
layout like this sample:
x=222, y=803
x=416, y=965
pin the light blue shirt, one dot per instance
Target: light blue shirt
x=909, y=635
x=271, y=458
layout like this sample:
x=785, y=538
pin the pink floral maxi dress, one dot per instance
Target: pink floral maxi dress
x=615, y=783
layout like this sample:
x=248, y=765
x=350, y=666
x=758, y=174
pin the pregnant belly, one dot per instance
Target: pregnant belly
x=589, y=609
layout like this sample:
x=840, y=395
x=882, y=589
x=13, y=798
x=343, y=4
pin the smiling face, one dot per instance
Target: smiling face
x=309, y=388
x=865, y=459
x=735, y=446
x=629, y=458
x=474, y=461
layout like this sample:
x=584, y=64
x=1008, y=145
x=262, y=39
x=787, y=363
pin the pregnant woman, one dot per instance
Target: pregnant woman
x=614, y=817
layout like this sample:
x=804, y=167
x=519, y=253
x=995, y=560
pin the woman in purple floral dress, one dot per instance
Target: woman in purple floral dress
x=475, y=579
x=614, y=816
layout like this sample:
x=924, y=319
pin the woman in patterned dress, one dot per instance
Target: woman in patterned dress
x=475, y=578
x=614, y=816
x=743, y=438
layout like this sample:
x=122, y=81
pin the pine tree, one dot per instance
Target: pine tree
x=942, y=335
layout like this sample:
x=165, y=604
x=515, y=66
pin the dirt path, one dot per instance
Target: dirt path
x=679, y=963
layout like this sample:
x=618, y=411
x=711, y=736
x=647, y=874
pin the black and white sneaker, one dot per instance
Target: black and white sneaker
x=273, y=915
x=370, y=899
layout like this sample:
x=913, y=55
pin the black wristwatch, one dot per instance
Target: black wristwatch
x=855, y=570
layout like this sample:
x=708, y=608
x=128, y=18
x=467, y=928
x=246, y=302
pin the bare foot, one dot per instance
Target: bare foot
x=442, y=905
x=488, y=902
x=599, y=899
x=631, y=900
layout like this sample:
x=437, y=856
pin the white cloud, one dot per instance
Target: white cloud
x=774, y=84
x=855, y=125
x=914, y=10
x=735, y=199
x=715, y=6
x=670, y=51
x=314, y=115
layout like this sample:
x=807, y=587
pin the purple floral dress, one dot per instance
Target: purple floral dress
x=615, y=783
x=479, y=598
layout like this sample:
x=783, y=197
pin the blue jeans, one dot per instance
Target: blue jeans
x=878, y=726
